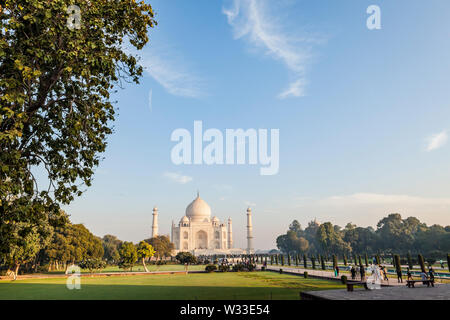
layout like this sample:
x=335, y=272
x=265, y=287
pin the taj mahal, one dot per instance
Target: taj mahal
x=200, y=234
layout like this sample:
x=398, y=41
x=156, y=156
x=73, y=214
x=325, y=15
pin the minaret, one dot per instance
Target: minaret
x=249, y=231
x=155, y=222
x=230, y=235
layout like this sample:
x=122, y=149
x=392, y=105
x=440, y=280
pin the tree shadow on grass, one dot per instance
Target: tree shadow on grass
x=41, y=291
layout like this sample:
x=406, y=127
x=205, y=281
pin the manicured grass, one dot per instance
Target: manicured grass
x=208, y=286
x=136, y=268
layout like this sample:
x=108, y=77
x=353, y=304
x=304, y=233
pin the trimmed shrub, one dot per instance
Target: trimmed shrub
x=281, y=271
x=224, y=268
x=398, y=265
x=410, y=264
x=322, y=261
x=421, y=262
x=210, y=268
x=344, y=279
x=335, y=261
x=448, y=261
x=305, y=275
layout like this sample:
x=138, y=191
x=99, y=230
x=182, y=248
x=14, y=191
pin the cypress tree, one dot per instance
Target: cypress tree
x=271, y=259
x=366, y=260
x=296, y=260
x=313, y=262
x=377, y=258
x=305, y=262
x=276, y=259
x=335, y=261
x=398, y=266
x=421, y=262
x=448, y=261
x=354, y=258
x=360, y=261
x=289, y=259
x=282, y=259
x=410, y=264
x=322, y=261
x=345, y=260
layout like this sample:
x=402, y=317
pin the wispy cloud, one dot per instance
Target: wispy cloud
x=250, y=19
x=437, y=141
x=178, y=178
x=170, y=71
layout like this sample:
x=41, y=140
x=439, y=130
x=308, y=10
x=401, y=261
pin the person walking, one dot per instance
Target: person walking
x=353, y=272
x=385, y=274
x=408, y=274
x=431, y=275
x=362, y=272
x=399, y=276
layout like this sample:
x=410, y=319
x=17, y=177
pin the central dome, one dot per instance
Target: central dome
x=198, y=210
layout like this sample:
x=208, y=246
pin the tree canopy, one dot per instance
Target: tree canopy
x=393, y=235
x=162, y=245
x=55, y=108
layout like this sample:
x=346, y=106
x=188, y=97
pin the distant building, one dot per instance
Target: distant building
x=198, y=233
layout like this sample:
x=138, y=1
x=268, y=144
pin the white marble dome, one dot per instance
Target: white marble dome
x=198, y=210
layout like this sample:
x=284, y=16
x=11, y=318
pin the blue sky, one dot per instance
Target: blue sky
x=363, y=116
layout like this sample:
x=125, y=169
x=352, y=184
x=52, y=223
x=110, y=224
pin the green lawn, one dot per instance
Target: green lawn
x=164, y=267
x=231, y=285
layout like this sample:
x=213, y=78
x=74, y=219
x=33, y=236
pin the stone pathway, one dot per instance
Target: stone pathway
x=329, y=274
x=440, y=292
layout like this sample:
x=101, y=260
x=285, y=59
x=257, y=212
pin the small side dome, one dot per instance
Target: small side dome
x=184, y=220
x=215, y=219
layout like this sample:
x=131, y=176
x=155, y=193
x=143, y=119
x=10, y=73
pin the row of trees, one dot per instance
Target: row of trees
x=68, y=243
x=393, y=235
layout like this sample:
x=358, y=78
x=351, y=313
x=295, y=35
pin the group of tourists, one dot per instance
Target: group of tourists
x=360, y=271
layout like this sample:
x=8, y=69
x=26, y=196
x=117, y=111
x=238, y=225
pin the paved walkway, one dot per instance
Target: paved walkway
x=328, y=274
x=440, y=292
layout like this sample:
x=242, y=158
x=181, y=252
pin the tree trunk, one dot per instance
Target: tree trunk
x=143, y=263
x=16, y=271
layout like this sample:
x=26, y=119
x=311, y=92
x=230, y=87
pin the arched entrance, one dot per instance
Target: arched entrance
x=201, y=240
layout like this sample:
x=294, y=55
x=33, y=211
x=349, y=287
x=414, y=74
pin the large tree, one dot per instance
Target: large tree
x=72, y=243
x=145, y=251
x=58, y=65
x=162, y=245
x=128, y=255
x=111, y=248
